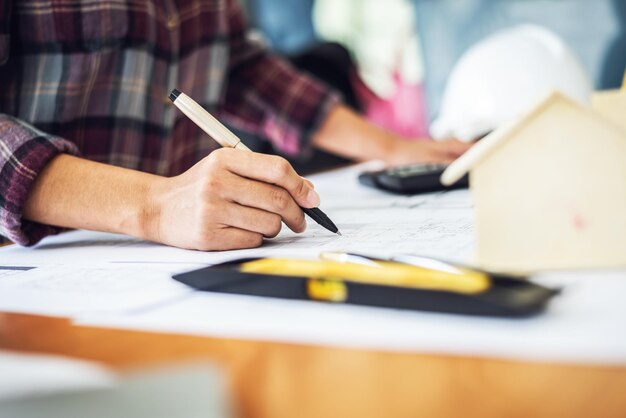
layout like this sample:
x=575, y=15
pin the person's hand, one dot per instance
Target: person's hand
x=407, y=152
x=349, y=135
x=231, y=199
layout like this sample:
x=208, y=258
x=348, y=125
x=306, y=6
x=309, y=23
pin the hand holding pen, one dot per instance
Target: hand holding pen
x=240, y=197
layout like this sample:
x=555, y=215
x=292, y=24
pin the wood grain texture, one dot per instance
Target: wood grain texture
x=284, y=380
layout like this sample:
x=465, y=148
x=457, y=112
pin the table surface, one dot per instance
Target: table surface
x=278, y=380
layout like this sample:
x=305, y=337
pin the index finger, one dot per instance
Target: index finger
x=274, y=170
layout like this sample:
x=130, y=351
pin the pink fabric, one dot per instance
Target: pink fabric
x=404, y=114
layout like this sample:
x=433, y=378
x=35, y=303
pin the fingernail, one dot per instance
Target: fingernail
x=313, y=198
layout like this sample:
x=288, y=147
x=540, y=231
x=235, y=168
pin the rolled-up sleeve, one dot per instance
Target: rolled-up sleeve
x=24, y=152
x=265, y=96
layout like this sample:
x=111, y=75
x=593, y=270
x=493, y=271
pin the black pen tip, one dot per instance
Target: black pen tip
x=339, y=233
x=174, y=95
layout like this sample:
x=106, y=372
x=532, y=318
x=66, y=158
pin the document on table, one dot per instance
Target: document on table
x=583, y=325
x=80, y=289
x=447, y=235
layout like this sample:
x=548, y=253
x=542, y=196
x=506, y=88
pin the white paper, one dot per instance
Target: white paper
x=99, y=247
x=78, y=289
x=6, y=271
x=586, y=324
x=448, y=235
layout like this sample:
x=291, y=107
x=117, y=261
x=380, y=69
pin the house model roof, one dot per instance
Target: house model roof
x=491, y=142
x=611, y=104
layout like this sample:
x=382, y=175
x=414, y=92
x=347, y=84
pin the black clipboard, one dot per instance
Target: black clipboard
x=507, y=296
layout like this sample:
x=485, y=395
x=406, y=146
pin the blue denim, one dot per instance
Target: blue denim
x=287, y=24
x=594, y=29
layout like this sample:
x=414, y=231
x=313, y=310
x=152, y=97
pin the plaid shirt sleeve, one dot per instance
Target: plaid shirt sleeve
x=265, y=96
x=24, y=152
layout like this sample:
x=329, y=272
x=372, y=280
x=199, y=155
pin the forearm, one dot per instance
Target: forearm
x=347, y=134
x=75, y=193
x=229, y=200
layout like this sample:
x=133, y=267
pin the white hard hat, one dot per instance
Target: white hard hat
x=502, y=76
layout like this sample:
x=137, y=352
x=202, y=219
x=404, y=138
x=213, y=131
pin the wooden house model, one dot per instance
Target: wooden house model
x=549, y=189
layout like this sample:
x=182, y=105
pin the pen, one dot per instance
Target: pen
x=226, y=138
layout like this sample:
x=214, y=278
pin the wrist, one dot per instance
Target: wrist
x=349, y=135
x=144, y=218
x=390, y=146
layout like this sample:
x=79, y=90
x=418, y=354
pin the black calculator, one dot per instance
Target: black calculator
x=410, y=179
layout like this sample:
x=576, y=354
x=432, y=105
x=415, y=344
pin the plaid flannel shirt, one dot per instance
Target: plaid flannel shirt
x=91, y=78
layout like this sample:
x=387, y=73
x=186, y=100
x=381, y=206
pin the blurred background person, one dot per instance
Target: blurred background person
x=405, y=50
x=368, y=50
x=381, y=37
x=287, y=28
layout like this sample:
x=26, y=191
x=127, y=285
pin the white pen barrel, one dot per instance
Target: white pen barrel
x=208, y=123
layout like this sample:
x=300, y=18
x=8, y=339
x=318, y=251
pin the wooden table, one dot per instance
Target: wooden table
x=293, y=381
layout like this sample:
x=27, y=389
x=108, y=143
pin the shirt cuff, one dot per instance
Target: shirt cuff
x=297, y=140
x=25, y=153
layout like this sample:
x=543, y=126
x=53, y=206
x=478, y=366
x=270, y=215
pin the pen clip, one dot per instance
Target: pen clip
x=454, y=268
x=342, y=257
x=426, y=263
